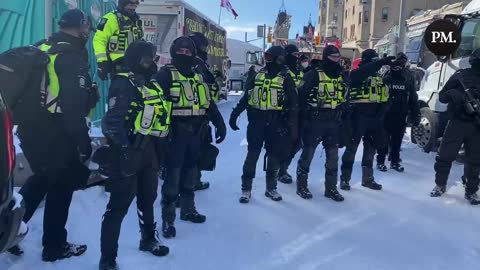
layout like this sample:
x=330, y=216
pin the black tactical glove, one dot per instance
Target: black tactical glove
x=103, y=69
x=93, y=95
x=233, y=120
x=387, y=60
x=220, y=133
x=85, y=150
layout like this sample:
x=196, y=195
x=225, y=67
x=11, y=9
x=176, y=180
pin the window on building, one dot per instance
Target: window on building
x=336, y=3
x=345, y=33
x=352, y=31
x=353, y=10
x=335, y=17
x=360, y=17
x=385, y=14
x=346, y=13
x=365, y=16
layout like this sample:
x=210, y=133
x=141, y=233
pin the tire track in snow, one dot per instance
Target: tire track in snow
x=326, y=230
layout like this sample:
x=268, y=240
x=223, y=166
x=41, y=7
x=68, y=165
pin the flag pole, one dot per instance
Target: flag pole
x=219, y=14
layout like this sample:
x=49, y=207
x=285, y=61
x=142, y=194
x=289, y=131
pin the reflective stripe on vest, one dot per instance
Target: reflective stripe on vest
x=129, y=31
x=154, y=118
x=296, y=78
x=50, y=96
x=267, y=94
x=328, y=94
x=373, y=90
x=190, y=96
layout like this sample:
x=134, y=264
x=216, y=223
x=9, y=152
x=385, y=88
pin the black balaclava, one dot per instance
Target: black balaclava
x=368, y=56
x=123, y=3
x=139, y=60
x=398, y=66
x=201, y=43
x=291, y=60
x=184, y=63
x=330, y=67
x=275, y=59
x=474, y=60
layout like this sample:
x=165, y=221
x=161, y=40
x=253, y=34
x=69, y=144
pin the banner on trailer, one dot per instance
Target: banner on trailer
x=217, y=38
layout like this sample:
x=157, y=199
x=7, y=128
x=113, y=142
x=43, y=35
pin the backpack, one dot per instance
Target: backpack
x=23, y=75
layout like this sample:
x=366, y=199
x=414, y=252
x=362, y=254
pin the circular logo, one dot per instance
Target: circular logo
x=442, y=37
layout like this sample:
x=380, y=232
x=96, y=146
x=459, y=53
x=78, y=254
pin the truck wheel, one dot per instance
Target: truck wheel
x=425, y=134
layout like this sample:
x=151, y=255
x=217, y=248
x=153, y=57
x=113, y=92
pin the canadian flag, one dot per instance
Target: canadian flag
x=226, y=4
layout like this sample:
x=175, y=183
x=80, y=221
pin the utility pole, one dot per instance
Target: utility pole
x=401, y=26
x=264, y=37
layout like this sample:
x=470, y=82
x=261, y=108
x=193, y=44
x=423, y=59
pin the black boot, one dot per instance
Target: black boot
x=246, y=195
x=150, y=242
x=368, y=180
x=16, y=250
x=201, y=185
x=333, y=194
x=472, y=198
x=193, y=216
x=285, y=177
x=108, y=263
x=397, y=167
x=344, y=184
x=381, y=166
x=168, y=229
x=67, y=251
x=273, y=194
x=304, y=193
x=438, y=191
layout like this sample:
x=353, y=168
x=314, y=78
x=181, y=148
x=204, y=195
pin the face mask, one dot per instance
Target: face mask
x=305, y=64
x=184, y=61
x=273, y=67
x=291, y=60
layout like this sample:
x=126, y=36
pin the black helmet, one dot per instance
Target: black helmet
x=75, y=18
x=369, y=55
x=329, y=50
x=183, y=42
x=474, y=59
x=275, y=54
x=138, y=53
x=290, y=48
x=201, y=42
x=123, y=3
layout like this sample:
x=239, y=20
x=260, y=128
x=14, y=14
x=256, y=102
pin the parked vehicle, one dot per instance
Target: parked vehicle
x=12, y=208
x=434, y=117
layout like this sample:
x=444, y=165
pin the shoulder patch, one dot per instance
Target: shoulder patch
x=101, y=24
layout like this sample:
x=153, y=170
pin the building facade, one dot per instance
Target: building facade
x=365, y=22
x=330, y=19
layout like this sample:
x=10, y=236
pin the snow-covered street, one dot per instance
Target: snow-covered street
x=400, y=227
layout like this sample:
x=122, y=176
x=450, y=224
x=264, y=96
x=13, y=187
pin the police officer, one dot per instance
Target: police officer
x=201, y=67
x=403, y=99
x=138, y=115
x=271, y=102
x=462, y=128
x=321, y=98
x=369, y=97
x=192, y=109
x=304, y=63
x=292, y=61
x=115, y=32
x=56, y=142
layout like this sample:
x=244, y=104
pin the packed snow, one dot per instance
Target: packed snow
x=400, y=227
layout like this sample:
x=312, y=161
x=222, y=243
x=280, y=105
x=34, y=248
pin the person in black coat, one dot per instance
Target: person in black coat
x=403, y=100
x=463, y=128
x=192, y=110
x=272, y=122
x=133, y=158
x=60, y=132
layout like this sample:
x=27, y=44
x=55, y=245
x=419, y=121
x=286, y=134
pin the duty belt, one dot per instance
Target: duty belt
x=188, y=112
